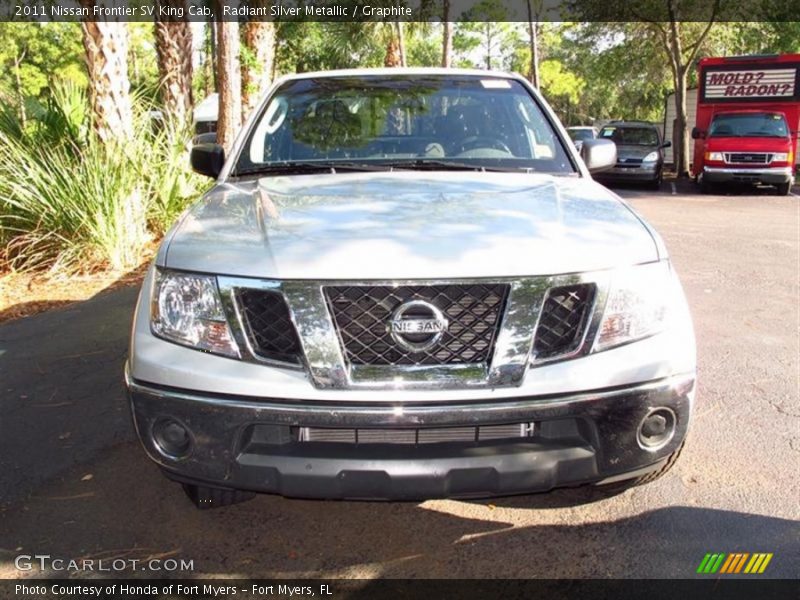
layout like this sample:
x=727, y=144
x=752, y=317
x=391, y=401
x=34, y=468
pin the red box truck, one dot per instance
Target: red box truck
x=748, y=115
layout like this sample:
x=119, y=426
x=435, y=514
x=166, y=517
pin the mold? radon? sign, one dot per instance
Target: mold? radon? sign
x=765, y=83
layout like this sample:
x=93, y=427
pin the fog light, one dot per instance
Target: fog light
x=172, y=438
x=656, y=429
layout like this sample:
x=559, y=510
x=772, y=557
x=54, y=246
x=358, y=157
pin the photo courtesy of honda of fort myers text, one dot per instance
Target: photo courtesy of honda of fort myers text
x=384, y=299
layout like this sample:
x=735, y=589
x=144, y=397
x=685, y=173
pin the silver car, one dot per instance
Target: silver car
x=405, y=284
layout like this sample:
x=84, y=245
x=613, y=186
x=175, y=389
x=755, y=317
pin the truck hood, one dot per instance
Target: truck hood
x=407, y=225
x=748, y=144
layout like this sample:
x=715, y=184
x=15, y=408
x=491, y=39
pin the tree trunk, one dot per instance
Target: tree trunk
x=106, y=45
x=23, y=113
x=489, y=46
x=533, y=30
x=681, y=151
x=229, y=77
x=212, y=54
x=259, y=39
x=447, y=35
x=401, y=44
x=392, y=58
x=672, y=38
x=174, y=53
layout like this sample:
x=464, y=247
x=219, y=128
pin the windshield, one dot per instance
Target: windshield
x=441, y=122
x=749, y=125
x=580, y=134
x=631, y=136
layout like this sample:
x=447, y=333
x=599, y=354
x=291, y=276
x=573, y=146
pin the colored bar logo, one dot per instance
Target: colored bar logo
x=738, y=562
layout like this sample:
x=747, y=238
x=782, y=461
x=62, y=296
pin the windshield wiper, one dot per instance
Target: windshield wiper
x=301, y=167
x=435, y=164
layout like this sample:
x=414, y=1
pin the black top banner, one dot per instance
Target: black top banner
x=400, y=10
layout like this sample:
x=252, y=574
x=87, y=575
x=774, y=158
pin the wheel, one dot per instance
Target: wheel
x=656, y=184
x=705, y=187
x=205, y=497
x=652, y=476
x=784, y=188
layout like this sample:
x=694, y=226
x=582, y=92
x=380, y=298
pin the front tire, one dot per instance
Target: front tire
x=784, y=188
x=656, y=183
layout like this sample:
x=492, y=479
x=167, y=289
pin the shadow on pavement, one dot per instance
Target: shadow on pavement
x=127, y=510
x=61, y=392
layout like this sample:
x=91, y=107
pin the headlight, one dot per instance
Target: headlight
x=718, y=156
x=652, y=157
x=637, y=304
x=781, y=157
x=186, y=309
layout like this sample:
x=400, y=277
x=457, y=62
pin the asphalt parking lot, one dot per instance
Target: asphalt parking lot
x=75, y=484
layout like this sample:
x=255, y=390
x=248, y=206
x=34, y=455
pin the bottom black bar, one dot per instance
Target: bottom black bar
x=379, y=589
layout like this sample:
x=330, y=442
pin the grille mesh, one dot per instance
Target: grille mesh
x=756, y=158
x=362, y=314
x=268, y=325
x=563, y=319
x=417, y=436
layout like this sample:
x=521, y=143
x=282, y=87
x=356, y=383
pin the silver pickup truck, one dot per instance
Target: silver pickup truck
x=405, y=284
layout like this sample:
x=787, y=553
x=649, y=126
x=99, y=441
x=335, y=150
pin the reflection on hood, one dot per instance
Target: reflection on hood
x=409, y=225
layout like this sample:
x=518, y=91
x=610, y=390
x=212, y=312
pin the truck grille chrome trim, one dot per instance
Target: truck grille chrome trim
x=490, y=331
x=430, y=435
x=268, y=325
x=563, y=320
x=363, y=315
x=748, y=158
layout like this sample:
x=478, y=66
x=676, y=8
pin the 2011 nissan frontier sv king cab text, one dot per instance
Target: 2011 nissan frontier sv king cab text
x=405, y=284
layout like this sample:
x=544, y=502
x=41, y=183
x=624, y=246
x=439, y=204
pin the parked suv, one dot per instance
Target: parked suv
x=404, y=285
x=640, y=152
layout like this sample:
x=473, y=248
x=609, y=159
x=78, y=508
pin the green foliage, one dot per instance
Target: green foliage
x=424, y=47
x=142, y=61
x=482, y=39
x=313, y=46
x=38, y=53
x=563, y=89
x=69, y=203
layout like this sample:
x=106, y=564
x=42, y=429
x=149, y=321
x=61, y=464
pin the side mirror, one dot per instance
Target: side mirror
x=697, y=133
x=207, y=159
x=599, y=155
x=666, y=144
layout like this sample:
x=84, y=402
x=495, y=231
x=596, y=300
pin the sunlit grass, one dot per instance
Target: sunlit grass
x=71, y=204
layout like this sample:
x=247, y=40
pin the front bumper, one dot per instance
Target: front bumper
x=250, y=443
x=767, y=175
x=642, y=173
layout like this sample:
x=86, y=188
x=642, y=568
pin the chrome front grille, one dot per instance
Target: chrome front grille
x=268, y=326
x=355, y=335
x=362, y=313
x=748, y=158
x=417, y=436
x=563, y=320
